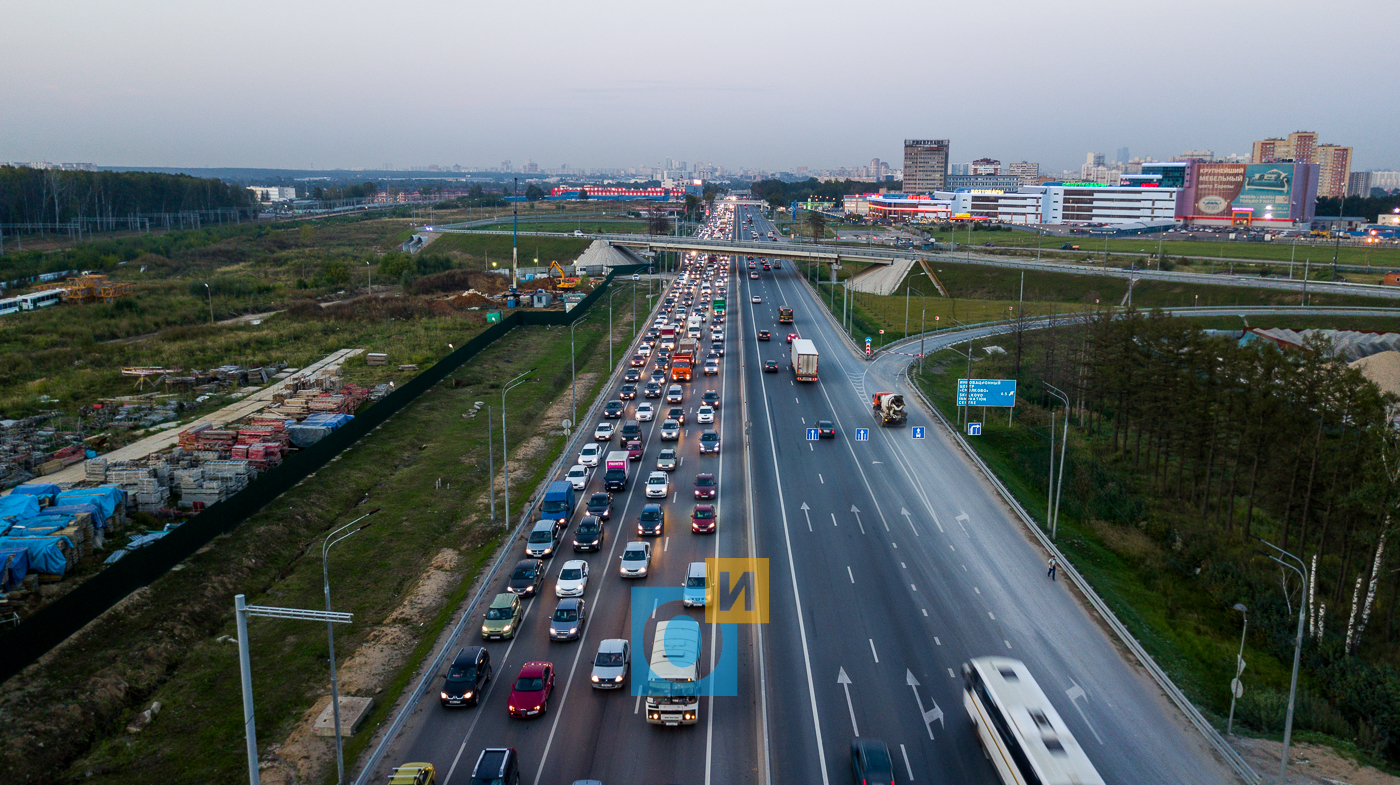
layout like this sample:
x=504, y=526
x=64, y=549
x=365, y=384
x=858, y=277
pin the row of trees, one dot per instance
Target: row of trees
x=1205, y=443
x=59, y=196
x=781, y=192
x=1369, y=207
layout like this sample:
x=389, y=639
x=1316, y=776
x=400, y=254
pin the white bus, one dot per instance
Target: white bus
x=1021, y=732
x=35, y=300
x=10, y=305
x=673, y=692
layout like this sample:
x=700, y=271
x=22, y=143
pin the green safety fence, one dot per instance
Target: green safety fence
x=53, y=623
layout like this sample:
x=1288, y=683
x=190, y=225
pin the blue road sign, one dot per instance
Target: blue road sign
x=862, y=434
x=974, y=429
x=867, y=339
x=813, y=435
x=917, y=431
x=987, y=392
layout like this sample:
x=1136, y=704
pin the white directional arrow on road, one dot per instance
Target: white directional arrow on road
x=805, y=508
x=857, y=514
x=1074, y=694
x=910, y=518
x=932, y=714
x=845, y=682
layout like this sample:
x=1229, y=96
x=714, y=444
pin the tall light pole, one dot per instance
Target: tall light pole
x=369, y=277
x=331, y=539
x=1064, y=440
x=210, y=292
x=573, y=375
x=1239, y=668
x=610, y=327
x=491, y=463
x=1302, y=570
x=505, y=449
x=514, y=236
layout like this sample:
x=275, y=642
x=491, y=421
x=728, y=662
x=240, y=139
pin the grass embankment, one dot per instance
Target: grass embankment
x=584, y=223
x=483, y=251
x=164, y=647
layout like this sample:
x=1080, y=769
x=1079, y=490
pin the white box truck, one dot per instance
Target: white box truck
x=804, y=359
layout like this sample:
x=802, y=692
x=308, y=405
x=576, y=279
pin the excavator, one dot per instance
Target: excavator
x=565, y=282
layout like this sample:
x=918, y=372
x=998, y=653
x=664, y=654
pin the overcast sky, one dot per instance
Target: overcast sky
x=759, y=83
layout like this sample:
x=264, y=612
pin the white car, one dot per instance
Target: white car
x=711, y=368
x=578, y=476
x=645, y=413
x=670, y=431
x=658, y=485
x=666, y=461
x=573, y=579
x=603, y=432
x=590, y=454
x=717, y=335
x=636, y=560
x=756, y=298
x=705, y=415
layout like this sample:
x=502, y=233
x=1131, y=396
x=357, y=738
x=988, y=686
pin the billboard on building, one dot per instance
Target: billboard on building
x=1277, y=191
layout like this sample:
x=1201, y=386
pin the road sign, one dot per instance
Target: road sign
x=987, y=392
x=1236, y=688
x=974, y=429
x=867, y=339
x=917, y=432
x=566, y=424
x=862, y=434
x=813, y=434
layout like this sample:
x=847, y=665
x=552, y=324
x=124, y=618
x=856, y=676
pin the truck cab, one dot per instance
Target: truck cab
x=616, y=470
x=559, y=501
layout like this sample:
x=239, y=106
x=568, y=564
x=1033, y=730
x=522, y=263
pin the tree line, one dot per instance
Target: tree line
x=1206, y=444
x=1368, y=207
x=59, y=196
x=780, y=192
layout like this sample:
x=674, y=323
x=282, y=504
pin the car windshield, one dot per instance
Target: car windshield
x=570, y=575
x=462, y=673
x=651, y=515
x=609, y=659
x=695, y=582
x=587, y=527
x=704, y=481
x=499, y=614
x=704, y=513
x=543, y=535
x=523, y=573
x=667, y=454
x=566, y=614
x=634, y=555
x=709, y=437
x=529, y=684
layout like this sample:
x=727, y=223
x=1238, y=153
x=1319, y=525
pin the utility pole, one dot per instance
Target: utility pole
x=211, y=302
x=514, y=237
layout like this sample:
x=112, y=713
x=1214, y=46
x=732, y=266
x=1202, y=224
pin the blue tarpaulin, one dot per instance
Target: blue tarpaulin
x=14, y=564
x=76, y=507
x=17, y=507
x=45, y=553
x=41, y=489
x=107, y=497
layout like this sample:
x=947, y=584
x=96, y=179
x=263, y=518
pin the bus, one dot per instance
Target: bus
x=784, y=315
x=44, y=299
x=673, y=690
x=1020, y=731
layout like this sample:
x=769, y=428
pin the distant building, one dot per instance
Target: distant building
x=1122, y=155
x=1359, y=184
x=959, y=168
x=1168, y=175
x=273, y=193
x=1334, y=167
x=983, y=182
x=986, y=166
x=1334, y=161
x=1299, y=147
x=1385, y=180
x=1196, y=155
x=1092, y=162
x=1028, y=171
x=925, y=165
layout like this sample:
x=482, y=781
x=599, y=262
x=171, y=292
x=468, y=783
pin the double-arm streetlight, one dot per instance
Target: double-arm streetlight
x=1059, y=484
x=331, y=539
x=1302, y=569
x=505, y=449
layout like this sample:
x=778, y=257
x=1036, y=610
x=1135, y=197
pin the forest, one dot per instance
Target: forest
x=56, y=196
x=781, y=193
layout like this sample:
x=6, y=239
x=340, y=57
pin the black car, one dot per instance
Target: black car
x=710, y=398
x=466, y=677
x=652, y=390
x=496, y=766
x=770, y=366
x=629, y=391
x=871, y=762
x=600, y=505
x=632, y=375
x=613, y=410
x=652, y=520
x=764, y=335
x=525, y=579
x=676, y=413
x=588, y=535
x=825, y=429
x=717, y=347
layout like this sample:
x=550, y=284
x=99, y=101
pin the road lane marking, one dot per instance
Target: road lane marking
x=907, y=767
x=665, y=544
x=962, y=521
x=937, y=522
x=913, y=587
x=1007, y=642
x=991, y=616
x=850, y=574
x=951, y=675
x=936, y=641
x=823, y=479
x=903, y=565
x=975, y=589
x=925, y=610
x=845, y=682
x=872, y=651
x=810, y=447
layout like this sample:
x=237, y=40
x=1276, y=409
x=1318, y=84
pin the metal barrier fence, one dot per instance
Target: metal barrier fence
x=55, y=622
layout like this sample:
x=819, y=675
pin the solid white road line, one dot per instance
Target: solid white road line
x=851, y=574
x=907, y=767
x=872, y=651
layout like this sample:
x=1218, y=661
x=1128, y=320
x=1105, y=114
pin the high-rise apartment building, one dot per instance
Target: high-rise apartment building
x=1333, y=169
x=1027, y=171
x=925, y=165
x=1092, y=163
x=1359, y=184
x=1299, y=147
x=1122, y=155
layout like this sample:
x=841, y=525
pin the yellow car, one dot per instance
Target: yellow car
x=503, y=617
x=413, y=774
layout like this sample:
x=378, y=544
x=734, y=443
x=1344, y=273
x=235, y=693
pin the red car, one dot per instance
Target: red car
x=702, y=520
x=705, y=486
x=792, y=337
x=529, y=694
x=638, y=360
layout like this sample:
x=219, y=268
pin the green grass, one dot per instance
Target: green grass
x=600, y=225
x=478, y=248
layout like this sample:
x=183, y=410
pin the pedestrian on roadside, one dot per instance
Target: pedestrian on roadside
x=1050, y=567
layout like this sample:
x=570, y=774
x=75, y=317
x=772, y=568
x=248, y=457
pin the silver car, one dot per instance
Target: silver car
x=670, y=431
x=567, y=622
x=666, y=461
x=636, y=560
x=610, y=665
x=674, y=394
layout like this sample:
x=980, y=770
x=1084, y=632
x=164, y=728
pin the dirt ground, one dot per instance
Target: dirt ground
x=1309, y=764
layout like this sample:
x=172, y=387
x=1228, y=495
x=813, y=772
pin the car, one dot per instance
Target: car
x=466, y=677
x=658, y=485
x=572, y=580
x=764, y=335
x=577, y=476
x=676, y=413
x=632, y=375
x=658, y=376
x=711, y=368
x=628, y=392
x=636, y=560
x=644, y=347
x=666, y=461
x=705, y=487
x=614, y=409
x=756, y=299
x=651, y=521
x=529, y=693
x=652, y=390
x=525, y=578
x=770, y=366
x=709, y=442
x=693, y=589
x=600, y=505
x=712, y=357
x=716, y=335
x=871, y=762
x=670, y=431
x=645, y=412
x=777, y=265
x=705, y=415
x=588, y=535
x=496, y=766
x=590, y=454
x=702, y=519
x=663, y=362
x=604, y=431
x=610, y=664
x=754, y=276
x=792, y=337
x=717, y=347
x=569, y=617
x=543, y=538
x=674, y=394
x=413, y=774
x=710, y=398
x=638, y=360
x=825, y=429
x=503, y=617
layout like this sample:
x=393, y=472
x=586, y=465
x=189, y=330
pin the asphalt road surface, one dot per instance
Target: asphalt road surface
x=890, y=564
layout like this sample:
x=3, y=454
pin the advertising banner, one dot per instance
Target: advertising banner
x=1264, y=189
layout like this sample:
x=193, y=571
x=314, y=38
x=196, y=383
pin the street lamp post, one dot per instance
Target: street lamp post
x=1064, y=441
x=505, y=449
x=1302, y=570
x=331, y=539
x=1239, y=667
x=610, y=327
x=210, y=292
x=369, y=277
x=573, y=375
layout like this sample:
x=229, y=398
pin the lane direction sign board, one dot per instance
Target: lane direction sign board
x=974, y=429
x=862, y=434
x=917, y=432
x=812, y=434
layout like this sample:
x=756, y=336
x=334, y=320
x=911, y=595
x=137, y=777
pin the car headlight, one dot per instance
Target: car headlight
x=442, y=695
x=505, y=628
x=595, y=678
x=618, y=679
x=573, y=630
x=467, y=694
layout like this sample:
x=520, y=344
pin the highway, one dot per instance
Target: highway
x=891, y=562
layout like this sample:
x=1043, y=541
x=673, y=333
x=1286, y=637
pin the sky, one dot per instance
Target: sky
x=772, y=84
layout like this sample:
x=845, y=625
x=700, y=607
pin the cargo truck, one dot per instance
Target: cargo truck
x=889, y=408
x=668, y=337
x=804, y=359
x=683, y=361
x=615, y=476
x=673, y=692
x=559, y=500
x=784, y=315
x=718, y=307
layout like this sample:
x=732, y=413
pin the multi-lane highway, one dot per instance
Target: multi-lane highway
x=891, y=563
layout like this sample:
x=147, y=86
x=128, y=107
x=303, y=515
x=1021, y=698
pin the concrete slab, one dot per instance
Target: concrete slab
x=353, y=711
